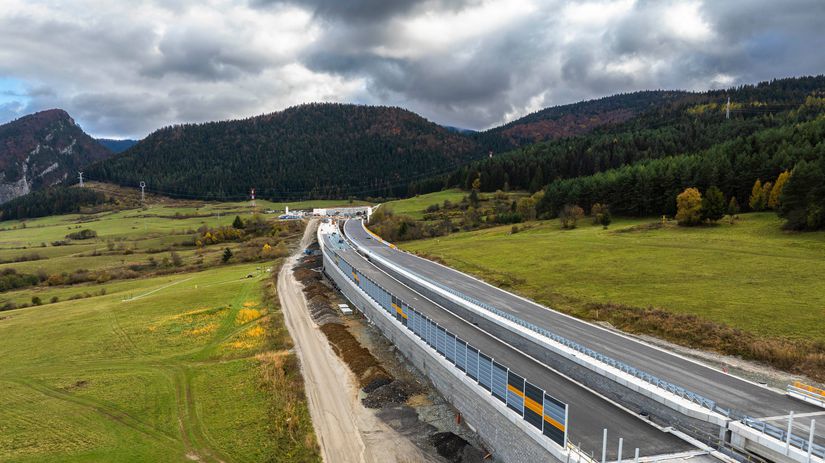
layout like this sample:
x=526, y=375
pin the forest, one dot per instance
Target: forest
x=52, y=201
x=308, y=151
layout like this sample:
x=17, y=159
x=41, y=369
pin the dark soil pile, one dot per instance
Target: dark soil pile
x=455, y=449
x=395, y=392
x=362, y=363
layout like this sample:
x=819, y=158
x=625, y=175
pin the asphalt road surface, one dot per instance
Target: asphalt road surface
x=589, y=413
x=727, y=390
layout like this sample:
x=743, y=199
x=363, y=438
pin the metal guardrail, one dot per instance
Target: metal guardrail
x=710, y=404
x=782, y=435
x=644, y=376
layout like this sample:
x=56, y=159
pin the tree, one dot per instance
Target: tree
x=177, y=261
x=733, y=208
x=596, y=212
x=569, y=215
x=766, y=193
x=689, y=207
x=713, y=204
x=527, y=209
x=606, y=219
x=776, y=191
x=474, y=192
x=802, y=203
x=757, y=199
x=227, y=254
x=238, y=224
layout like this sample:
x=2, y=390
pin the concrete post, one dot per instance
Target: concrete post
x=788, y=437
x=621, y=441
x=604, y=446
x=811, y=440
x=636, y=457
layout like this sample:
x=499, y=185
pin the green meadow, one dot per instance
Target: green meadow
x=750, y=275
x=187, y=366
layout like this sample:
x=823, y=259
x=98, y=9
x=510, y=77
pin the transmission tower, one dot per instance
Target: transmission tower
x=80, y=175
x=252, y=197
x=727, y=109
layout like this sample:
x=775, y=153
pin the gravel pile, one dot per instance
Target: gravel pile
x=395, y=392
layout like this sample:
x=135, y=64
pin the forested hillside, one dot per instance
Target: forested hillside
x=639, y=166
x=575, y=119
x=43, y=149
x=308, y=151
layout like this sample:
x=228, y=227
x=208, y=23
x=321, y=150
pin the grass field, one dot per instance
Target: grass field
x=182, y=367
x=750, y=275
x=415, y=206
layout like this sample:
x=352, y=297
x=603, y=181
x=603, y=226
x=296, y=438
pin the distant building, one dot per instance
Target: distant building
x=353, y=211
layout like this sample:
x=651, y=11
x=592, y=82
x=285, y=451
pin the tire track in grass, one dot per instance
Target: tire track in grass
x=107, y=410
x=199, y=446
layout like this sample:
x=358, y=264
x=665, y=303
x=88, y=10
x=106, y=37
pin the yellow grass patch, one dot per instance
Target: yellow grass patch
x=255, y=332
x=247, y=315
x=206, y=329
x=250, y=304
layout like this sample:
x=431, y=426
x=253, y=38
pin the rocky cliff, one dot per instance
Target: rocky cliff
x=41, y=150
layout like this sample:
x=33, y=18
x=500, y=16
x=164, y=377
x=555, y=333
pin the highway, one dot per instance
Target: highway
x=727, y=390
x=589, y=413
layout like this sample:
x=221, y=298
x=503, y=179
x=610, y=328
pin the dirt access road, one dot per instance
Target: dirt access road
x=346, y=430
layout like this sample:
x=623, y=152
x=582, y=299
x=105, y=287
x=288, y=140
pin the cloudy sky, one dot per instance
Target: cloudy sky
x=126, y=68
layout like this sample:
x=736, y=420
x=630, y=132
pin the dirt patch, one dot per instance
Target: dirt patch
x=362, y=363
x=401, y=397
x=393, y=393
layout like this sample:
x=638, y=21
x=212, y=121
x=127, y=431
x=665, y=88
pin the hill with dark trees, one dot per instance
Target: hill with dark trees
x=308, y=151
x=639, y=166
x=43, y=149
x=575, y=119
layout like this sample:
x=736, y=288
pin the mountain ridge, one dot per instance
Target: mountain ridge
x=43, y=149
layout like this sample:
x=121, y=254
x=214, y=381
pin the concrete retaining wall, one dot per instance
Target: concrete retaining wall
x=509, y=439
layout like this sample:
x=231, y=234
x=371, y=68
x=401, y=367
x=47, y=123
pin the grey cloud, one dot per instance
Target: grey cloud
x=365, y=11
x=165, y=64
x=203, y=55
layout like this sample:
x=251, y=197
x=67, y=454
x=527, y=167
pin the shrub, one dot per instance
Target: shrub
x=689, y=207
x=85, y=234
x=570, y=215
x=227, y=254
x=36, y=300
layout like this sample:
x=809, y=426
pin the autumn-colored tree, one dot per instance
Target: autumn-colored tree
x=526, y=207
x=776, y=191
x=713, y=204
x=757, y=201
x=569, y=215
x=596, y=211
x=733, y=208
x=474, y=192
x=689, y=207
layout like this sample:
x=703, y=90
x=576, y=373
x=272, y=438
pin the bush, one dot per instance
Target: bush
x=689, y=207
x=570, y=215
x=227, y=254
x=84, y=234
x=36, y=300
